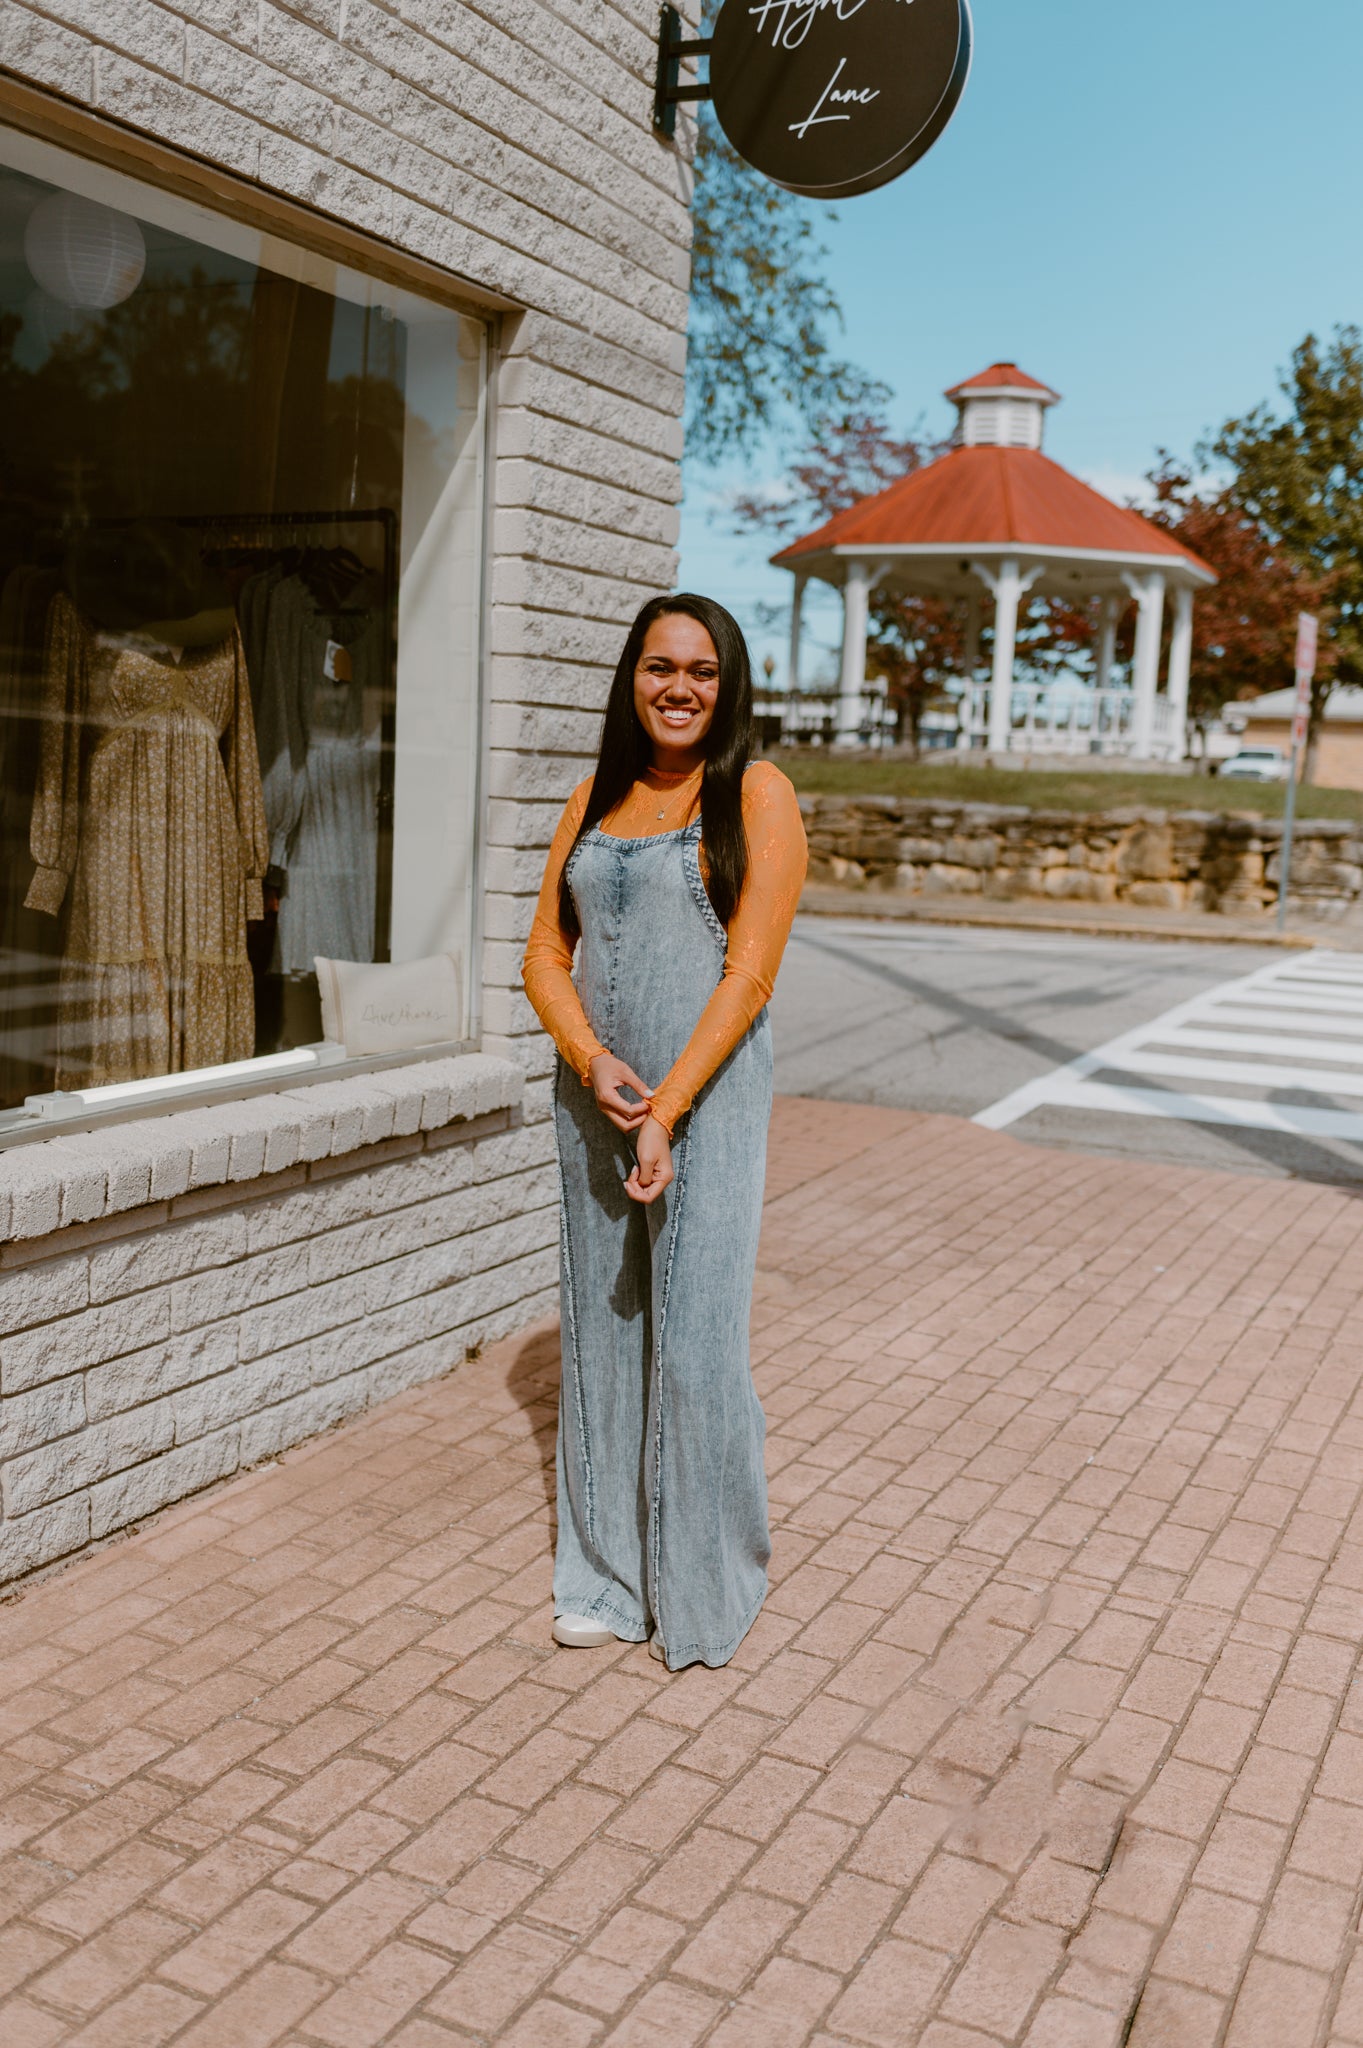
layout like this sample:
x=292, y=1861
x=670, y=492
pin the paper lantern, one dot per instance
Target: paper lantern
x=83, y=253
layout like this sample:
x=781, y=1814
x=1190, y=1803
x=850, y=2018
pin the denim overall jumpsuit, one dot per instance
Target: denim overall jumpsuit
x=662, y=1500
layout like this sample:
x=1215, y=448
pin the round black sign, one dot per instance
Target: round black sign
x=834, y=97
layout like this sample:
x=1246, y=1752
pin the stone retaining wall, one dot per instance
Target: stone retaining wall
x=1168, y=860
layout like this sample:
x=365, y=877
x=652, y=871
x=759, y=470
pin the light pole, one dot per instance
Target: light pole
x=1308, y=631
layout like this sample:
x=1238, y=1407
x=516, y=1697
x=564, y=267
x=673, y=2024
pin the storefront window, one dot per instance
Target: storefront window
x=240, y=568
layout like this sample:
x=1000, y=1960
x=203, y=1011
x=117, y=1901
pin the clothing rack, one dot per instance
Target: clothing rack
x=277, y=529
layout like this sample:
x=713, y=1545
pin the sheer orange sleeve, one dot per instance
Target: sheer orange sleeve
x=547, y=970
x=777, y=857
x=757, y=938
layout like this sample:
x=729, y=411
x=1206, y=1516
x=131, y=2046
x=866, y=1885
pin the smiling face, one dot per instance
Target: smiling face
x=676, y=684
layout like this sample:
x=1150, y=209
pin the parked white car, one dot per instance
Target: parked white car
x=1255, y=764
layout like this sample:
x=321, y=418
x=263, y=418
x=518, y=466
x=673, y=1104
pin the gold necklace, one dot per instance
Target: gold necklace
x=668, y=799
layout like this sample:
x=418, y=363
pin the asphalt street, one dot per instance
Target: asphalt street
x=1002, y=1026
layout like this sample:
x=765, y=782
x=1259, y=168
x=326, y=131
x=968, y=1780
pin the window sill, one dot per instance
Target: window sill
x=80, y=1177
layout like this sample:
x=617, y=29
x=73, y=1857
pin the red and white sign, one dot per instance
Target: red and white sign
x=1308, y=634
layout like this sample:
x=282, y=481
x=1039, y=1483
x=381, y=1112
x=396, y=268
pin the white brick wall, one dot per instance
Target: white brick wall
x=153, y=1352
x=508, y=141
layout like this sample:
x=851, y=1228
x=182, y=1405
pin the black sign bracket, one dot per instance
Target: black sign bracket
x=668, y=91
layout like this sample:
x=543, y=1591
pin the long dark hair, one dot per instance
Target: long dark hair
x=626, y=751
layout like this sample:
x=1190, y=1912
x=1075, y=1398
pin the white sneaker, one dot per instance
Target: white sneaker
x=575, y=1632
x=655, y=1649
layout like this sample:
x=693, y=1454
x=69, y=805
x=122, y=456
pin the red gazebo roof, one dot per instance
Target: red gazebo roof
x=989, y=497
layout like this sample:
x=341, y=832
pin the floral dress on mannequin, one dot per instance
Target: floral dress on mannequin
x=148, y=814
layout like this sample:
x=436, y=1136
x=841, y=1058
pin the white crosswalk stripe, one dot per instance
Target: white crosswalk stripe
x=1287, y=1041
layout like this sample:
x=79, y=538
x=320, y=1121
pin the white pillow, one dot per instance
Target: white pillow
x=386, y=1006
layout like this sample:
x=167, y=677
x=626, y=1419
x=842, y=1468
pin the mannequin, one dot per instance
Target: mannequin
x=148, y=580
x=148, y=822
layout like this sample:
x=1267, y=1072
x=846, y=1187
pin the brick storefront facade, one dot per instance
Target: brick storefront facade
x=191, y=1291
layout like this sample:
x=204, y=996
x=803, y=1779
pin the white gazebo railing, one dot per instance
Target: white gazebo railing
x=810, y=717
x=1045, y=720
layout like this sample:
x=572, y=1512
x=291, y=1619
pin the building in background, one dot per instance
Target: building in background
x=1267, y=722
x=340, y=388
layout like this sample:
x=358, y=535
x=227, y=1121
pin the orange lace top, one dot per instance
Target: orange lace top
x=757, y=934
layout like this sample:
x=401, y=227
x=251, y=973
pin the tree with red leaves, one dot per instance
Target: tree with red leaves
x=1298, y=475
x=849, y=458
x=1244, y=629
x=917, y=644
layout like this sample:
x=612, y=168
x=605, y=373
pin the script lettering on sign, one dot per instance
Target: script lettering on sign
x=834, y=97
x=794, y=18
x=831, y=96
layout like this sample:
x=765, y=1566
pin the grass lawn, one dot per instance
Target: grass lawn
x=818, y=770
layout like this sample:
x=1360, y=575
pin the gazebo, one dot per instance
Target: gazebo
x=995, y=516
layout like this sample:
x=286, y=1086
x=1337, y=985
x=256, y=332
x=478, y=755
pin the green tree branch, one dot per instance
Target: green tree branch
x=761, y=352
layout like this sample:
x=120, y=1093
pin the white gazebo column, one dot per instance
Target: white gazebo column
x=1010, y=585
x=1148, y=591
x=1180, y=666
x=1007, y=594
x=856, y=593
x=1107, y=643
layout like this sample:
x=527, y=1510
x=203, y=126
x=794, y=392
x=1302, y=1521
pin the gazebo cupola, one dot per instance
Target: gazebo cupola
x=1001, y=408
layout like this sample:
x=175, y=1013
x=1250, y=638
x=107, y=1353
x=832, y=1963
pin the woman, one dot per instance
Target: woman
x=677, y=867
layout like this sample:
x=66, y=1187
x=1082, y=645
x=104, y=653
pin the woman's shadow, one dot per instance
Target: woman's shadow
x=530, y=1375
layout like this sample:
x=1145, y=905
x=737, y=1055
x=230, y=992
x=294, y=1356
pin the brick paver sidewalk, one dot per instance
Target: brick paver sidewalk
x=1049, y=1733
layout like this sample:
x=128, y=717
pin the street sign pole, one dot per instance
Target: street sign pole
x=1307, y=631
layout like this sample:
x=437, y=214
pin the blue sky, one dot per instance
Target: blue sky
x=1145, y=205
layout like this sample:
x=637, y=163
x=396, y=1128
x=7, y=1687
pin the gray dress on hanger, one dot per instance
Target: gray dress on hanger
x=320, y=757
x=662, y=1501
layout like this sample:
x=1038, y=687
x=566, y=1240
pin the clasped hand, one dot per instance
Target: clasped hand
x=652, y=1169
